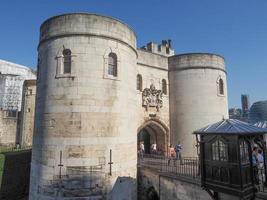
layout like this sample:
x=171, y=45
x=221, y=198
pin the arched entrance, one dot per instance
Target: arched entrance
x=151, y=194
x=153, y=133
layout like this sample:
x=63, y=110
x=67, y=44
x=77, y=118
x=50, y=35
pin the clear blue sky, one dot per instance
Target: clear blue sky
x=235, y=29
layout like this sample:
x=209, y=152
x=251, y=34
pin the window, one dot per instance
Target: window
x=244, y=152
x=164, y=86
x=11, y=113
x=112, y=64
x=29, y=92
x=66, y=61
x=219, y=151
x=28, y=110
x=221, y=87
x=139, y=83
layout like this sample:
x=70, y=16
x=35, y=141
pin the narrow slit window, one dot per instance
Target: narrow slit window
x=221, y=87
x=139, y=83
x=66, y=61
x=112, y=64
x=164, y=86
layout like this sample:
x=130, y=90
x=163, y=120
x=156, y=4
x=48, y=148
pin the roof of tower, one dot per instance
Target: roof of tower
x=198, y=53
x=92, y=14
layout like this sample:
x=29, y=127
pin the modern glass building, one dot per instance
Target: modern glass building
x=258, y=112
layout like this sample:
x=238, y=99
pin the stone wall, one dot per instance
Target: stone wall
x=169, y=187
x=195, y=99
x=26, y=119
x=15, y=171
x=82, y=115
x=8, y=129
x=12, y=77
x=154, y=68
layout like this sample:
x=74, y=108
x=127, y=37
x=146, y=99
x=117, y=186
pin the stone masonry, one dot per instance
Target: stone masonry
x=97, y=92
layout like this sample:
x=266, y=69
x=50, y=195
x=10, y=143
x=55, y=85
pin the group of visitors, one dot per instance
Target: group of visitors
x=153, y=149
x=258, y=165
x=175, y=153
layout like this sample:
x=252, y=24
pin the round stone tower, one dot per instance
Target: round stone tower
x=198, y=96
x=84, y=143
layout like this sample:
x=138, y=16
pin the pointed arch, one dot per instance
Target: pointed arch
x=158, y=134
x=220, y=86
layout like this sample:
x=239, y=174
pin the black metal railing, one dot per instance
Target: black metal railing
x=187, y=166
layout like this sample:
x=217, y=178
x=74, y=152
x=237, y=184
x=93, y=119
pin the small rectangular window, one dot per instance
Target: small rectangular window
x=11, y=113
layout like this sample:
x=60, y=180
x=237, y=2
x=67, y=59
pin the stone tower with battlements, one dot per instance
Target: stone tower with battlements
x=99, y=97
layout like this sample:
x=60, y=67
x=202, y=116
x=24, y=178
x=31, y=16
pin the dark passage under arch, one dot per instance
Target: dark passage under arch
x=152, y=194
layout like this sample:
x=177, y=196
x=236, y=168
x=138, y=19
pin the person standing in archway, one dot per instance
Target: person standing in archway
x=142, y=150
x=154, y=148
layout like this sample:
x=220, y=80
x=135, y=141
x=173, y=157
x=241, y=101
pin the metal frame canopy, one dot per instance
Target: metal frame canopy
x=226, y=157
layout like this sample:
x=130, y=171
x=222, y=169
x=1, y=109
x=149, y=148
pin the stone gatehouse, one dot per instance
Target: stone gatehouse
x=98, y=96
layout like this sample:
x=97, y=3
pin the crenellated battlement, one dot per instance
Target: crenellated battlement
x=164, y=48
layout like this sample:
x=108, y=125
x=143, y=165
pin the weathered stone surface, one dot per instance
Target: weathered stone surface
x=84, y=116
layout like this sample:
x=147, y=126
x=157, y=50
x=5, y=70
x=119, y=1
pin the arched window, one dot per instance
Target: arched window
x=221, y=87
x=164, y=86
x=139, y=82
x=112, y=64
x=66, y=61
x=219, y=151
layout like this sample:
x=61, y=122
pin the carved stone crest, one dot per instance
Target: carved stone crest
x=151, y=97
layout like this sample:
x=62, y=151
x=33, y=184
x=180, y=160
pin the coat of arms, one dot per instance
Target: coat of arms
x=151, y=97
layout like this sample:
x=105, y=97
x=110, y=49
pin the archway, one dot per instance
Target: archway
x=153, y=133
x=151, y=194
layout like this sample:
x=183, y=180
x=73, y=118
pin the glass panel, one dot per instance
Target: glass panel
x=215, y=154
x=244, y=156
x=219, y=151
x=223, y=151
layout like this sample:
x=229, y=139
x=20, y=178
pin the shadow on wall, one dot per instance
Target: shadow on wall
x=151, y=194
x=124, y=189
x=90, y=186
x=14, y=174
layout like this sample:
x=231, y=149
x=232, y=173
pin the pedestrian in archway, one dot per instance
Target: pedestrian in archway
x=154, y=148
x=142, y=149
